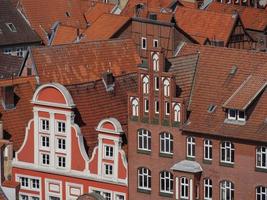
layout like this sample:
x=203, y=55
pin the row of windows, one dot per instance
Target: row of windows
x=166, y=85
x=45, y=142
x=29, y=183
x=144, y=43
x=45, y=126
x=27, y=197
x=45, y=160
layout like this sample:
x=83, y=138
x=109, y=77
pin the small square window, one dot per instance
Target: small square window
x=61, y=161
x=232, y=114
x=44, y=125
x=61, y=143
x=109, y=151
x=143, y=43
x=45, y=159
x=35, y=184
x=61, y=127
x=108, y=170
x=155, y=43
x=45, y=141
x=241, y=115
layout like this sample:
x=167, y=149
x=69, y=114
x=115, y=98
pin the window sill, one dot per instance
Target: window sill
x=144, y=191
x=166, y=155
x=191, y=158
x=235, y=122
x=208, y=162
x=165, y=194
x=143, y=152
x=258, y=169
x=226, y=164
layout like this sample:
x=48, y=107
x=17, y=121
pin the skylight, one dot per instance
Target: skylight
x=11, y=27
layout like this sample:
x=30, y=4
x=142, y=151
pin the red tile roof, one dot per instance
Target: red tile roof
x=188, y=4
x=204, y=24
x=9, y=65
x=85, y=61
x=105, y=27
x=252, y=18
x=65, y=35
x=215, y=83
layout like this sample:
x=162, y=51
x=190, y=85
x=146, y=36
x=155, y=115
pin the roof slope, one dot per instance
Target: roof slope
x=86, y=61
x=252, y=18
x=215, y=84
x=22, y=34
x=205, y=24
x=105, y=27
x=64, y=35
x=9, y=66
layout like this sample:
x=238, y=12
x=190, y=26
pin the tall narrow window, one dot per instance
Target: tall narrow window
x=261, y=157
x=156, y=83
x=166, y=86
x=61, y=127
x=191, y=147
x=146, y=85
x=146, y=105
x=155, y=62
x=207, y=189
x=61, y=161
x=166, y=182
x=167, y=108
x=227, y=152
x=135, y=107
x=144, y=140
x=44, y=125
x=166, y=143
x=184, y=188
x=61, y=143
x=144, y=178
x=207, y=149
x=157, y=107
x=226, y=190
x=261, y=193
x=143, y=43
x=45, y=159
x=45, y=141
x=177, y=117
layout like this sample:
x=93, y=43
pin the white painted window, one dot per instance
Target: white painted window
x=29, y=183
x=61, y=127
x=261, y=157
x=135, y=107
x=61, y=161
x=105, y=194
x=11, y=27
x=261, y=193
x=155, y=59
x=20, y=51
x=184, y=188
x=35, y=183
x=24, y=182
x=144, y=140
x=108, y=151
x=167, y=108
x=119, y=197
x=226, y=190
x=146, y=85
x=146, y=105
x=155, y=43
x=8, y=51
x=24, y=197
x=156, y=83
x=45, y=159
x=108, y=169
x=157, y=107
x=191, y=147
x=236, y=115
x=143, y=43
x=166, y=87
x=166, y=182
x=144, y=178
x=177, y=113
x=227, y=152
x=61, y=143
x=45, y=141
x=207, y=189
x=207, y=149
x=166, y=143
x=44, y=125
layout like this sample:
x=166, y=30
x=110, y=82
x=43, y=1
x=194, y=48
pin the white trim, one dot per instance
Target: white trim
x=143, y=39
x=68, y=190
x=30, y=188
x=114, y=122
x=191, y=189
x=48, y=193
x=177, y=188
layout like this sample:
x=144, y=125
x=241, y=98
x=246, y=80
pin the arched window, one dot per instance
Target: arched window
x=261, y=157
x=226, y=190
x=144, y=178
x=166, y=143
x=207, y=189
x=227, y=152
x=184, y=188
x=146, y=85
x=191, y=147
x=144, y=140
x=166, y=87
x=135, y=107
x=166, y=182
x=155, y=62
x=177, y=113
x=261, y=193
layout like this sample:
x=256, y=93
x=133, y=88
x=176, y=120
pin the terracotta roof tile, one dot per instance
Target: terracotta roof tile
x=105, y=27
x=65, y=35
x=86, y=61
x=205, y=24
x=188, y=4
x=215, y=83
x=9, y=66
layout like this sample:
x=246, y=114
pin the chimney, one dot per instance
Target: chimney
x=109, y=81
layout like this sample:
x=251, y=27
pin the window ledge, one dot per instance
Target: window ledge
x=165, y=155
x=208, y=162
x=235, y=122
x=190, y=158
x=143, y=152
x=144, y=191
x=226, y=164
x=258, y=169
x=165, y=194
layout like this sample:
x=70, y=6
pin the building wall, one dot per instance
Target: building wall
x=260, y=38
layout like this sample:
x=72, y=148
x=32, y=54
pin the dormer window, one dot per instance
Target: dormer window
x=236, y=115
x=11, y=27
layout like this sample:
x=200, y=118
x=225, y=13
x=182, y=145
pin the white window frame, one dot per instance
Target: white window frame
x=167, y=105
x=226, y=187
x=30, y=182
x=191, y=147
x=154, y=42
x=12, y=29
x=166, y=139
x=145, y=82
x=228, y=148
x=261, y=153
x=236, y=117
x=146, y=105
x=166, y=87
x=184, y=188
x=207, y=149
x=144, y=41
x=145, y=175
x=110, y=169
x=156, y=83
x=62, y=145
x=64, y=160
x=41, y=120
x=107, y=153
x=135, y=107
x=155, y=59
x=42, y=137
x=57, y=128
x=177, y=113
x=167, y=179
x=260, y=191
x=145, y=136
x=208, y=189
x=157, y=107
x=42, y=159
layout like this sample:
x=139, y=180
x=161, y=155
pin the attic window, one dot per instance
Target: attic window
x=11, y=27
x=67, y=14
x=109, y=81
x=211, y=108
x=233, y=70
x=237, y=115
x=8, y=97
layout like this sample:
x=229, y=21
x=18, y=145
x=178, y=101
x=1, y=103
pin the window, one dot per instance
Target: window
x=146, y=105
x=145, y=85
x=167, y=108
x=107, y=195
x=61, y=127
x=227, y=152
x=191, y=147
x=61, y=143
x=108, y=151
x=61, y=161
x=35, y=198
x=44, y=125
x=144, y=140
x=45, y=159
x=156, y=79
x=144, y=178
x=53, y=198
x=157, y=107
x=207, y=189
x=119, y=197
x=166, y=87
x=155, y=59
x=166, y=143
x=108, y=169
x=236, y=115
x=226, y=190
x=207, y=149
x=8, y=51
x=135, y=107
x=11, y=27
x=19, y=52
x=166, y=182
x=24, y=182
x=45, y=141
x=184, y=188
x=143, y=43
x=24, y=197
x=35, y=184
x=177, y=113
x=155, y=43
x=29, y=183
x=261, y=193
x=261, y=157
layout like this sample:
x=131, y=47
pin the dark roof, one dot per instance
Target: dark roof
x=22, y=32
x=216, y=81
x=9, y=66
